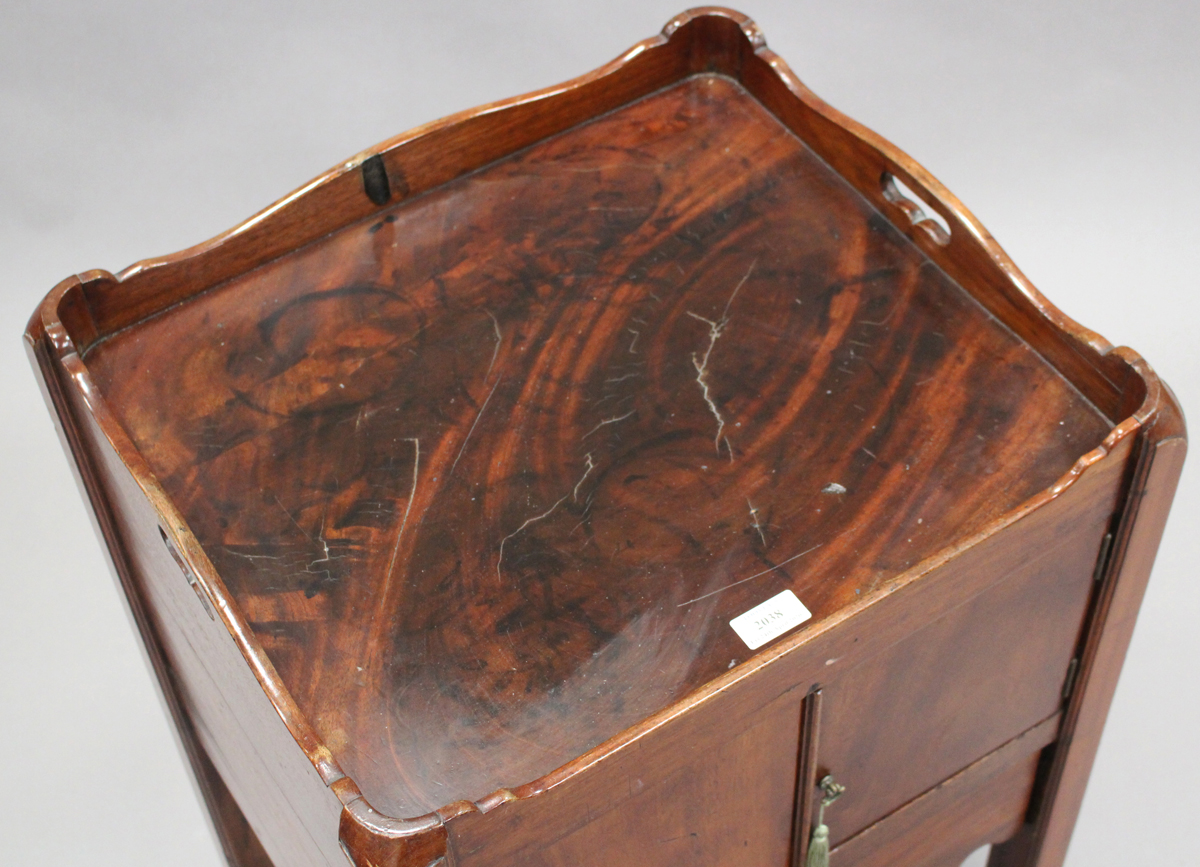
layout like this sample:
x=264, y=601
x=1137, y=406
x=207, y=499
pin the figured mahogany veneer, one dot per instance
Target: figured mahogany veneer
x=489, y=476
x=470, y=450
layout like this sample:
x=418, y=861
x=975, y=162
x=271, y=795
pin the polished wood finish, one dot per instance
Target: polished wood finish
x=945, y=831
x=1043, y=841
x=434, y=487
x=983, y=803
x=806, y=775
x=454, y=584
x=738, y=810
x=944, y=679
x=937, y=601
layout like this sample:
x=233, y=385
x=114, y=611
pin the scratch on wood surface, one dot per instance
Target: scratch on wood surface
x=701, y=364
x=751, y=578
x=467, y=438
x=546, y=514
x=754, y=518
x=520, y=529
x=314, y=568
x=499, y=340
x=290, y=518
x=252, y=557
x=883, y=321
x=608, y=421
x=486, y=400
x=412, y=495
x=587, y=472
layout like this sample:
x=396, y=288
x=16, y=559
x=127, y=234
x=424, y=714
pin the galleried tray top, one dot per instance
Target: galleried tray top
x=489, y=473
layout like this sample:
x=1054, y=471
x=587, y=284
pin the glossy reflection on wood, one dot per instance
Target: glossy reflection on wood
x=490, y=475
x=434, y=487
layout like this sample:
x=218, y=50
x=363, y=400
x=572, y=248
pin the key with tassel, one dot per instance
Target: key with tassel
x=818, y=846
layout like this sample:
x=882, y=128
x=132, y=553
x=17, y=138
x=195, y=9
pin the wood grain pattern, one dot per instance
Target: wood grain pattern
x=806, y=776
x=739, y=809
x=236, y=838
x=940, y=829
x=940, y=698
x=1044, y=840
x=509, y=829
x=469, y=467
x=235, y=722
x=473, y=479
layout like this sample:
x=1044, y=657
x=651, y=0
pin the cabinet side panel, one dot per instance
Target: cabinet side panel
x=729, y=803
x=236, y=839
x=290, y=809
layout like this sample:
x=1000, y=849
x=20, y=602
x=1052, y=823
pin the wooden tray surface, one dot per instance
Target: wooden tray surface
x=489, y=473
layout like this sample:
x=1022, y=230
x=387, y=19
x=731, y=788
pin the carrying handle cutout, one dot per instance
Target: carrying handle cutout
x=192, y=580
x=919, y=212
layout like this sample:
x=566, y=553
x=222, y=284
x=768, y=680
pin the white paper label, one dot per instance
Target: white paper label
x=770, y=619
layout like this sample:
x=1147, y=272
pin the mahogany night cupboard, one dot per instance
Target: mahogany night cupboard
x=613, y=475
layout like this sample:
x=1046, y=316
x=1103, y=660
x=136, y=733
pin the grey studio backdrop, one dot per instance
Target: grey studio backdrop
x=135, y=129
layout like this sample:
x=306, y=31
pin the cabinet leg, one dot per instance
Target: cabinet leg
x=1014, y=852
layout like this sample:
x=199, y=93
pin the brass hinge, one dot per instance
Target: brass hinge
x=1069, y=683
x=1102, y=561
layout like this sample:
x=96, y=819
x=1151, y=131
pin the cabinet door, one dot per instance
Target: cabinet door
x=918, y=712
x=720, y=796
